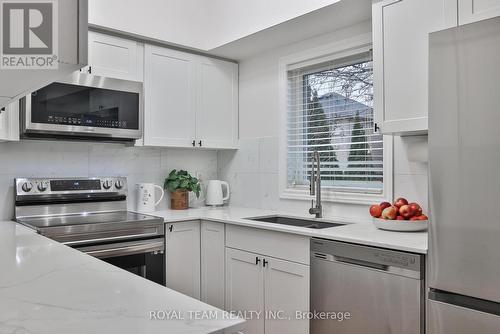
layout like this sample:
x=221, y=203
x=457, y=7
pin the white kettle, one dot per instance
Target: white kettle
x=215, y=192
x=146, y=196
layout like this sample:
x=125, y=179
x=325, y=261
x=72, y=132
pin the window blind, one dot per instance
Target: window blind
x=330, y=109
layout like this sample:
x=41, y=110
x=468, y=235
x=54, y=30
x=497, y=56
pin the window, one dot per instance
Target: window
x=329, y=108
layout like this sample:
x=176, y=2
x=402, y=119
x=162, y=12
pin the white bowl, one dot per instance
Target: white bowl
x=401, y=225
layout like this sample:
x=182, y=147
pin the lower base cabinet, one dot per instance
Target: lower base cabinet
x=213, y=263
x=267, y=291
x=245, y=288
x=183, y=257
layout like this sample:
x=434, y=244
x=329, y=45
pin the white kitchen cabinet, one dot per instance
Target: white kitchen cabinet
x=286, y=286
x=273, y=288
x=189, y=100
x=245, y=287
x=400, y=60
x=476, y=10
x=216, y=115
x=213, y=263
x=169, y=97
x=9, y=122
x=115, y=57
x=183, y=257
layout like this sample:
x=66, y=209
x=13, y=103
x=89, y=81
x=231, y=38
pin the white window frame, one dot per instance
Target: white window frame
x=319, y=55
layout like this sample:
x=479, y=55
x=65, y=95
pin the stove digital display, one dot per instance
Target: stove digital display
x=72, y=185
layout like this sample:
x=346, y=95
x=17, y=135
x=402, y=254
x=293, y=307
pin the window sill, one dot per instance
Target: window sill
x=331, y=196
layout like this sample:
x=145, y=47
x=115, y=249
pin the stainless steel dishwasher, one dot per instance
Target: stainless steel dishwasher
x=361, y=289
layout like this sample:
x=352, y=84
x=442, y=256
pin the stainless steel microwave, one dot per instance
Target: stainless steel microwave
x=84, y=107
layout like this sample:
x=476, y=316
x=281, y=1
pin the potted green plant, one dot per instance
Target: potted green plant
x=179, y=184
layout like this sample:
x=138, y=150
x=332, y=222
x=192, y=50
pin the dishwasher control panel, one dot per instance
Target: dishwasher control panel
x=377, y=258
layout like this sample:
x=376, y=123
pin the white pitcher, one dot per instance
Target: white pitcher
x=146, y=196
x=215, y=192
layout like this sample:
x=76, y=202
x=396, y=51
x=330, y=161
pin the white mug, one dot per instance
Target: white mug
x=146, y=196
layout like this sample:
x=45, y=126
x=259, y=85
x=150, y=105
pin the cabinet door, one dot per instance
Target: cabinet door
x=400, y=55
x=169, y=103
x=476, y=10
x=286, y=289
x=9, y=122
x=183, y=257
x=217, y=111
x=213, y=263
x=115, y=57
x=245, y=287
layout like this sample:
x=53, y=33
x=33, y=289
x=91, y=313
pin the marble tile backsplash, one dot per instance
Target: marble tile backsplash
x=59, y=159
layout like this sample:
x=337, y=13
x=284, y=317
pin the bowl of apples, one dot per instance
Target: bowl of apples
x=399, y=216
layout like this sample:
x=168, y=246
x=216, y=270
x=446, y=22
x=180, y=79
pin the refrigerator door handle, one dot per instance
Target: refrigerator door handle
x=472, y=303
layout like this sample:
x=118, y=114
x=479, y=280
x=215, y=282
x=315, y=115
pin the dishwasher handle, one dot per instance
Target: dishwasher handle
x=361, y=263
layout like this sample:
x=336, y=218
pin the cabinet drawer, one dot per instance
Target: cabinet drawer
x=281, y=245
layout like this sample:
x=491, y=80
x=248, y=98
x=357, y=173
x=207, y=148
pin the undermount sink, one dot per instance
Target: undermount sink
x=299, y=222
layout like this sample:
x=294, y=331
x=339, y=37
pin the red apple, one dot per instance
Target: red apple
x=406, y=211
x=400, y=202
x=423, y=217
x=416, y=207
x=384, y=205
x=400, y=218
x=415, y=218
x=390, y=213
x=375, y=210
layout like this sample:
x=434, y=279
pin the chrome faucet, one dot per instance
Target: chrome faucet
x=315, y=187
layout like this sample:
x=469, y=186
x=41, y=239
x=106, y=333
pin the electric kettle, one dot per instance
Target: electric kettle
x=215, y=192
x=146, y=196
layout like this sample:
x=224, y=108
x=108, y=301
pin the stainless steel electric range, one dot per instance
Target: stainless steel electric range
x=90, y=214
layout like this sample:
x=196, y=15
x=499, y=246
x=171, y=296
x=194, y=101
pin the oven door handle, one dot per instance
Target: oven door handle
x=125, y=248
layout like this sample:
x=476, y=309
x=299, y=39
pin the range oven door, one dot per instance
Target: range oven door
x=84, y=106
x=145, y=258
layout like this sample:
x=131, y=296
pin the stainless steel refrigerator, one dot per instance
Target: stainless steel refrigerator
x=464, y=164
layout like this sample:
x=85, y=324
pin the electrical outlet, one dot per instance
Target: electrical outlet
x=200, y=176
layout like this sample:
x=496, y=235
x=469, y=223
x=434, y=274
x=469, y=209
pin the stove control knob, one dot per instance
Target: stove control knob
x=107, y=184
x=42, y=187
x=119, y=184
x=27, y=186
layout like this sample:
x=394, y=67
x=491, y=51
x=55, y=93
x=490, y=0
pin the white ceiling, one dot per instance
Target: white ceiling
x=198, y=24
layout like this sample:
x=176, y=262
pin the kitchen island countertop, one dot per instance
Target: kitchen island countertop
x=47, y=287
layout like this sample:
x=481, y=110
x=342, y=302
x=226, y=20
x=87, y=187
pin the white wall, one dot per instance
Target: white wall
x=197, y=24
x=59, y=159
x=253, y=170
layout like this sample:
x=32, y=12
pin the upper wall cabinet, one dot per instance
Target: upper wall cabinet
x=169, y=98
x=400, y=60
x=217, y=112
x=190, y=100
x=115, y=57
x=9, y=122
x=476, y=10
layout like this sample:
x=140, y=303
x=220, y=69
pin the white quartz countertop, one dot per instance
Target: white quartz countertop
x=46, y=287
x=359, y=233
